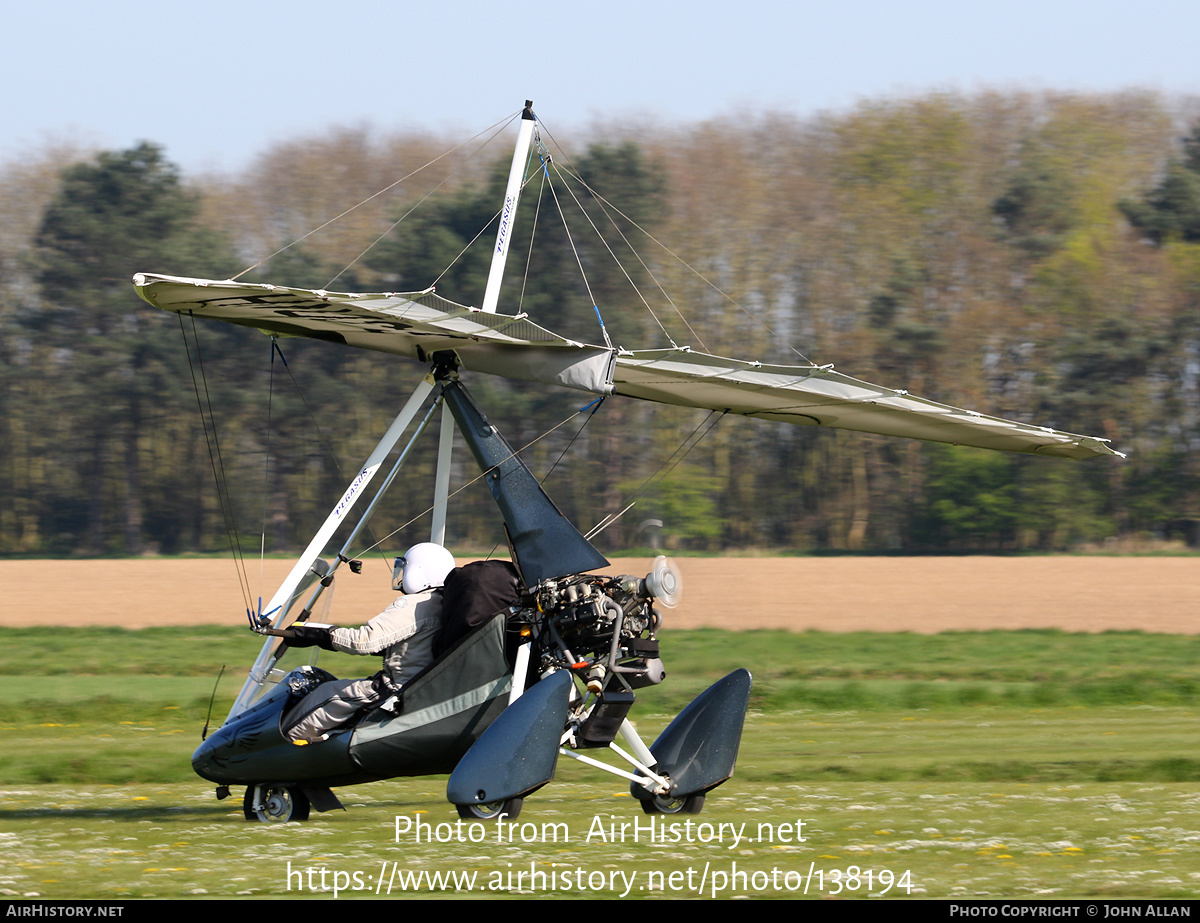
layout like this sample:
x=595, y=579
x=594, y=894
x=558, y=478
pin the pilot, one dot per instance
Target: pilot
x=403, y=633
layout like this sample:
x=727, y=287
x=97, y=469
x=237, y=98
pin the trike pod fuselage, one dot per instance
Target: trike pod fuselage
x=440, y=715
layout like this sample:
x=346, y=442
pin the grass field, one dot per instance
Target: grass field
x=982, y=764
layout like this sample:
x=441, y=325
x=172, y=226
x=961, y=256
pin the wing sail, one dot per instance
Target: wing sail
x=819, y=396
x=418, y=324
x=413, y=324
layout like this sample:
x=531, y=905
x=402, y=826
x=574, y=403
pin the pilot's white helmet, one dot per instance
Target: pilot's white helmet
x=423, y=567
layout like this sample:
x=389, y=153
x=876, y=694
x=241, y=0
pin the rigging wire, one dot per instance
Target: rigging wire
x=716, y=288
x=469, y=245
x=262, y=538
x=513, y=454
x=604, y=207
x=312, y=415
x=216, y=461
x=605, y=203
x=579, y=263
x=594, y=405
x=669, y=464
x=537, y=213
x=501, y=123
x=478, y=234
x=712, y=419
x=421, y=202
x=616, y=260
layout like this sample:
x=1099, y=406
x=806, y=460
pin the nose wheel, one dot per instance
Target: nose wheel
x=275, y=804
x=490, y=811
x=689, y=804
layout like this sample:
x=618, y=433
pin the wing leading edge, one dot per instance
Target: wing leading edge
x=418, y=324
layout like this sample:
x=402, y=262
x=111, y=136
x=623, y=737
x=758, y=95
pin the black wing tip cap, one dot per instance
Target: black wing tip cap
x=545, y=544
x=527, y=113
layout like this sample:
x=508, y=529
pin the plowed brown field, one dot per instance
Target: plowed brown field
x=1156, y=594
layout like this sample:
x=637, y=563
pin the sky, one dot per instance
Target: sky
x=217, y=82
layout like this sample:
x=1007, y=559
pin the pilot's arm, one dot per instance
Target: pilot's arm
x=310, y=636
x=403, y=633
x=395, y=624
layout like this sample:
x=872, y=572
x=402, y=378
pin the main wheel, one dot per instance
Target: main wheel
x=491, y=810
x=275, y=804
x=688, y=804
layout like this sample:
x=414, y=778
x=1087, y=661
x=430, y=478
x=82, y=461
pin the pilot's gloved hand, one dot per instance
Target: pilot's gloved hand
x=310, y=636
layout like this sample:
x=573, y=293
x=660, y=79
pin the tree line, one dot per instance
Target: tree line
x=1034, y=256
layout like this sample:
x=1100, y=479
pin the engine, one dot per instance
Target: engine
x=606, y=627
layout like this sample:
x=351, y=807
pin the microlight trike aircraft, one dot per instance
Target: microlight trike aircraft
x=555, y=671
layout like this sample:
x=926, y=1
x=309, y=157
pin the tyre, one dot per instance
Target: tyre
x=275, y=804
x=509, y=809
x=661, y=804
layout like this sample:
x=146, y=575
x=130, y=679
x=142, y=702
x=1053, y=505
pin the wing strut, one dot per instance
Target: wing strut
x=441, y=485
x=278, y=607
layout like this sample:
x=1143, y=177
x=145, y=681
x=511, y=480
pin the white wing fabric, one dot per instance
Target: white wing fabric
x=418, y=324
x=414, y=324
x=819, y=396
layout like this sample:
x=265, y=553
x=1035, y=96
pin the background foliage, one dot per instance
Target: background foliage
x=1035, y=256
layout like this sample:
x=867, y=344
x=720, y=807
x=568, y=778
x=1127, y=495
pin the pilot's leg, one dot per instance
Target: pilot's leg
x=329, y=706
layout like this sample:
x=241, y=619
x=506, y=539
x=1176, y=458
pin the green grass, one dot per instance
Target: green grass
x=955, y=840
x=1020, y=705
x=989, y=764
